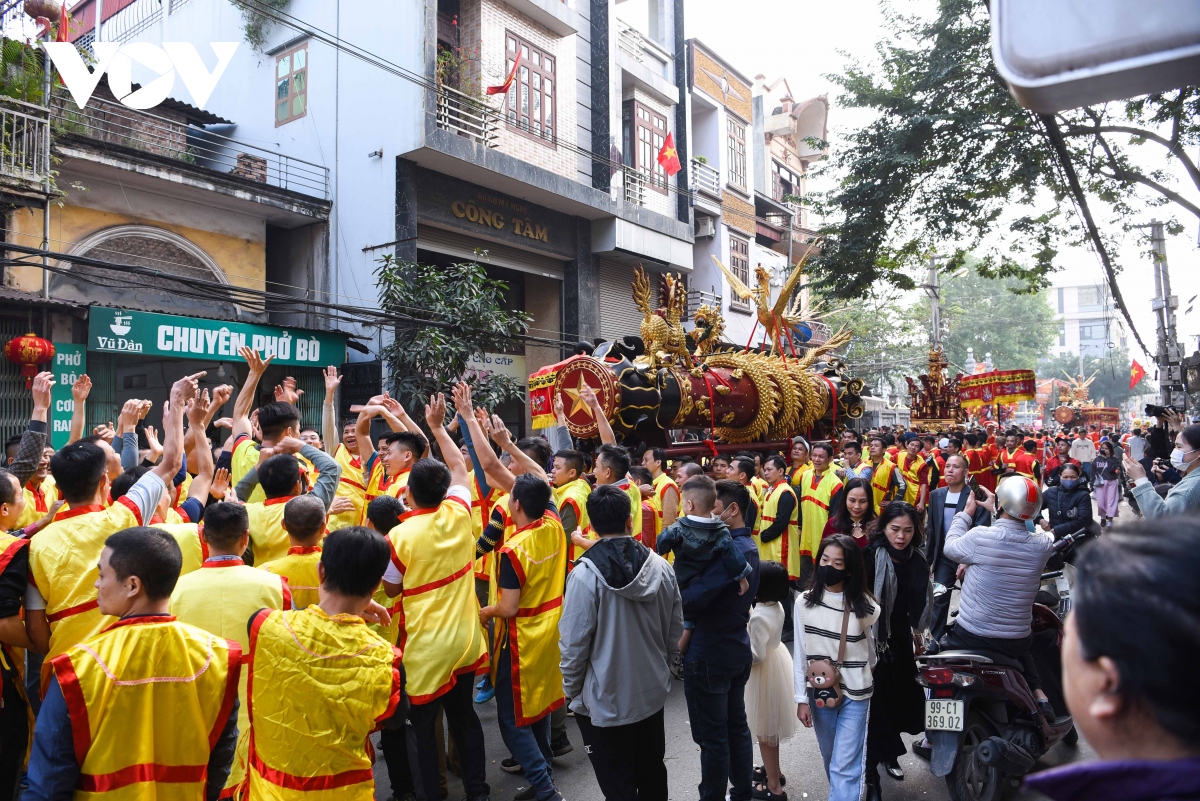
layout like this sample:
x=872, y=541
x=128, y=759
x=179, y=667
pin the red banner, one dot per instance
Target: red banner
x=998, y=386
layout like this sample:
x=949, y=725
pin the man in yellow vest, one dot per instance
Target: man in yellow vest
x=433, y=553
x=801, y=462
x=779, y=525
x=916, y=471
x=321, y=682
x=612, y=467
x=818, y=492
x=571, y=491
x=887, y=482
x=304, y=522
x=349, y=507
x=665, y=500
x=221, y=597
x=148, y=707
x=385, y=472
x=280, y=478
x=532, y=572
x=60, y=605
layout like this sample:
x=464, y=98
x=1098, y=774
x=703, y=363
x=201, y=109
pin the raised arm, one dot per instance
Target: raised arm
x=182, y=391
x=33, y=441
x=503, y=437
x=395, y=414
x=362, y=433
x=79, y=394
x=435, y=416
x=245, y=398
x=497, y=474
x=198, y=417
x=606, y=433
x=220, y=396
x=329, y=426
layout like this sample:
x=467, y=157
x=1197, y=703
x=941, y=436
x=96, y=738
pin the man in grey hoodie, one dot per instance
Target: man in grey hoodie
x=619, y=632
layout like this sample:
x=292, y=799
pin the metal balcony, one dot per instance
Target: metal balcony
x=706, y=178
x=467, y=116
x=25, y=131
x=635, y=188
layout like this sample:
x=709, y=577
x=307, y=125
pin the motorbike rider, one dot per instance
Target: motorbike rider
x=1003, y=566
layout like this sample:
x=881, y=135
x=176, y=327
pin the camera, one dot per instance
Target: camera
x=1158, y=411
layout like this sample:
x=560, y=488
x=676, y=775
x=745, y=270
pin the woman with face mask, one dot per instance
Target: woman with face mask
x=838, y=584
x=1069, y=505
x=1108, y=472
x=1183, y=497
x=898, y=577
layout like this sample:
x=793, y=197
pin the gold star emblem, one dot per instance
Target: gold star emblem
x=669, y=153
x=576, y=395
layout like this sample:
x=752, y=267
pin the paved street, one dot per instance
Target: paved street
x=801, y=764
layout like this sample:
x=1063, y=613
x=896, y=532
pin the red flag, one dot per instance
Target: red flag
x=668, y=157
x=1136, y=374
x=63, y=34
x=503, y=88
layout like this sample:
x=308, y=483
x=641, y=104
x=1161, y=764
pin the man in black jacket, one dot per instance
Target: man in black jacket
x=944, y=503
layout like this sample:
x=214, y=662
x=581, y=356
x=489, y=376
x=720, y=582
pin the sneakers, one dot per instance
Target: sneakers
x=561, y=746
x=677, y=667
x=529, y=794
x=510, y=765
x=484, y=691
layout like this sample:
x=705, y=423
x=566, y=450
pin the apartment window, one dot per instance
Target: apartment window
x=1089, y=296
x=739, y=263
x=531, y=98
x=291, y=85
x=1060, y=300
x=784, y=182
x=1092, y=331
x=645, y=132
x=736, y=131
x=1062, y=332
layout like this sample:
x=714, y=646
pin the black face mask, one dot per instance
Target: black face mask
x=898, y=555
x=828, y=574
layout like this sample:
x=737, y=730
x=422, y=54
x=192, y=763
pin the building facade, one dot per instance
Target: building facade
x=1089, y=324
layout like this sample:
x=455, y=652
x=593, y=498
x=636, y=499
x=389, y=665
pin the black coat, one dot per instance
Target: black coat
x=1069, y=510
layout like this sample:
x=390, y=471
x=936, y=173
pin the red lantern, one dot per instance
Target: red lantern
x=29, y=351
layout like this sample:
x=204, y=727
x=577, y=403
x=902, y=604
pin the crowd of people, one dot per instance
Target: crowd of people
x=236, y=620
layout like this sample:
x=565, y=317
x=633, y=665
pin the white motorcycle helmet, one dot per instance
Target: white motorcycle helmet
x=1019, y=496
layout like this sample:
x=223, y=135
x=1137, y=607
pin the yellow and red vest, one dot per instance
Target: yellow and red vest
x=244, y=459
x=268, y=540
x=299, y=570
x=318, y=687
x=380, y=483
x=1007, y=459
x=760, y=486
x=635, y=507
x=816, y=496
x=63, y=560
x=538, y=553
x=916, y=473
x=438, y=612
x=662, y=485
x=38, y=501
x=796, y=475
x=148, y=697
x=883, y=483
x=220, y=599
x=575, y=494
x=499, y=509
x=481, y=511
x=782, y=549
x=350, y=486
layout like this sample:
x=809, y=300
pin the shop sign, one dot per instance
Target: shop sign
x=507, y=364
x=70, y=362
x=149, y=334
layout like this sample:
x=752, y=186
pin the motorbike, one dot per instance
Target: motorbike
x=982, y=721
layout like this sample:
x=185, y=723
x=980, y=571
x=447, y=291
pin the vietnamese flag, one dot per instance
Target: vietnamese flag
x=668, y=157
x=1136, y=374
x=504, y=87
x=63, y=33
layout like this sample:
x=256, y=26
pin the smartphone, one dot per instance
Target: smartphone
x=979, y=494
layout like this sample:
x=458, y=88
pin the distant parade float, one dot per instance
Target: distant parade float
x=935, y=403
x=667, y=379
x=1075, y=409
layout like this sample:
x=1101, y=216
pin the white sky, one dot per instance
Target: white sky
x=803, y=41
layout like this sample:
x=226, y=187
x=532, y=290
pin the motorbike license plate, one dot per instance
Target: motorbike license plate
x=943, y=715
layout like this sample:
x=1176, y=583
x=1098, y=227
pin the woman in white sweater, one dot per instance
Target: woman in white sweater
x=838, y=584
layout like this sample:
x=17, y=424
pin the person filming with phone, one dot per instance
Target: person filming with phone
x=1183, y=497
x=944, y=503
x=1003, y=566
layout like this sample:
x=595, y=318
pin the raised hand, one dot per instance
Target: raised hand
x=289, y=445
x=81, y=388
x=341, y=504
x=560, y=412
x=221, y=396
x=186, y=388
x=286, y=392
x=223, y=422
x=130, y=414
x=197, y=412
x=332, y=380
x=42, y=383
x=435, y=411
x=220, y=483
x=144, y=408
x=589, y=397
x=391, y=405
x=105, y=431
x=462, y=398
x=256, y=363
x=152, y=442
x=499, y=432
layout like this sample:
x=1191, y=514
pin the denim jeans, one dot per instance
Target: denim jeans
x=842, y=738
x=529, y=745
x=717, y=708
x=943, y=574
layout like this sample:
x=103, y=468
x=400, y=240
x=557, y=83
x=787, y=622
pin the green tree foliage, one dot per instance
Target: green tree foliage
x=1111, y=371
x=450, y=314
x=890, y=340
x=951, y=159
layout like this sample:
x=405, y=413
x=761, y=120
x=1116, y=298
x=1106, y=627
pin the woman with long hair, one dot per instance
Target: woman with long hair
x=837, y=596
x=898, y=577
x=1107, y=475
x=853, y=513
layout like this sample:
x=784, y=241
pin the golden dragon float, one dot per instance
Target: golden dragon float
x=668, y=379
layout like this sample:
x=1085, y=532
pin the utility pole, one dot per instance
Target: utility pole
x=933, y=289
x=1168, y=354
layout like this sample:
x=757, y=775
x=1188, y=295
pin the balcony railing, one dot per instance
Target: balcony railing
x=25, y=131
x=706, y=178
x=631, y=41
x=635, y=188
x=698, y=297
x=104, y=121
x=467, y=116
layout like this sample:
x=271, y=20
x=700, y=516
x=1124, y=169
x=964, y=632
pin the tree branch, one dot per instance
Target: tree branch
x=1172, y=145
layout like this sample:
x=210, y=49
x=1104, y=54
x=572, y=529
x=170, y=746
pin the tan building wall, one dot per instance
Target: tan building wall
x=242, y=260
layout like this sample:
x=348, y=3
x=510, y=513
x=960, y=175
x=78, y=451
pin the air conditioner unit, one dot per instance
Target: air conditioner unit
x=706, y=227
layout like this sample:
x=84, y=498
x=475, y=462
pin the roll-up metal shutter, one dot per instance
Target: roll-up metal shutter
x=452, y=243
x=619, y=315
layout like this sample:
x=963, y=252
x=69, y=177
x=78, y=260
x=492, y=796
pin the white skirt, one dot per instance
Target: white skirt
x=770, y=698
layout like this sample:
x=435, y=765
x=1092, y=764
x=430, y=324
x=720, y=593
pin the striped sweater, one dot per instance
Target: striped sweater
x=822, y=625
